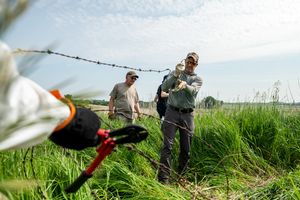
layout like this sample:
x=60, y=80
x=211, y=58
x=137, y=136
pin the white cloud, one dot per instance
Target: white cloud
x=218, y=29
x=158, y=33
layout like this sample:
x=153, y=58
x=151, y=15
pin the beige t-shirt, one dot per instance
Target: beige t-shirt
x=125, y=97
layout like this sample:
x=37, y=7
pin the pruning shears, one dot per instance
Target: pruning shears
x=109, y=140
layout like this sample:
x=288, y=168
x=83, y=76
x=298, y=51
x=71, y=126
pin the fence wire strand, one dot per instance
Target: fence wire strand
x=178, y=178
x=50, y=52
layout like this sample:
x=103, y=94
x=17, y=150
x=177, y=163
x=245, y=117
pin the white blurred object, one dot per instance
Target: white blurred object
x=162, y=119
x=29, y=113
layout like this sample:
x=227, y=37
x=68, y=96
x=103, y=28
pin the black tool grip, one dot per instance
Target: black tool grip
x=78, y=182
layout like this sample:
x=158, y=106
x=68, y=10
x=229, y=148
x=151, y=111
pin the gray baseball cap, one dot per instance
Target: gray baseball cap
x=193, y=55
x=132, y=74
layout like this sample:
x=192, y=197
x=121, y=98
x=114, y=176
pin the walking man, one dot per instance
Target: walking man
x=124, y=100
x=183, y=85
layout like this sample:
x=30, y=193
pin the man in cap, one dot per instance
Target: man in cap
x=183, y=86
x=124, y=100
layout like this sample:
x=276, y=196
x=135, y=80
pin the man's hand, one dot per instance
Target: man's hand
x=111, y=115
x=180, y=85
x=139, y=116
x=178, y=69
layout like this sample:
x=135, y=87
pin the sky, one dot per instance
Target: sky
x=247, y=48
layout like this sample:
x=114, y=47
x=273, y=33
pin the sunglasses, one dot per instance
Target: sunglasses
x=191, y=63
x=133, y=78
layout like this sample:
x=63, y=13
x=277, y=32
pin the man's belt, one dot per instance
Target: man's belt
x=181, y=110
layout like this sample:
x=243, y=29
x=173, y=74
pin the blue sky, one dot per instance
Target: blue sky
x=245, y=46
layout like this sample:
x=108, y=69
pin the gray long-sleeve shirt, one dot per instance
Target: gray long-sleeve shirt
x=183, y=98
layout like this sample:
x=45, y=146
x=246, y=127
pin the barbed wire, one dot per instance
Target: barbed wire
x=148, y=115
x=39, y=189
x=50, y=52
x=174, y=175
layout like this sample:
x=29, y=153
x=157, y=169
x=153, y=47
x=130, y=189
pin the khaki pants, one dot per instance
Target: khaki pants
x=125, y=119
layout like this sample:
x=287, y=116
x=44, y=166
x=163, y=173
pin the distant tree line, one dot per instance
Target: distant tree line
x=208, y=102
x=86, y=102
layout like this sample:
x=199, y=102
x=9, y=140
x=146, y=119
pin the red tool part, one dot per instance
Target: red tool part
x=129, y=134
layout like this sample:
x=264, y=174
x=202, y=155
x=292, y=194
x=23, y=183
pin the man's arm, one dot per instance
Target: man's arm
x=156, y=98
x=137, y=109
x=169, y=82
x=164, y=94
x=194, y=88
x=111, y=106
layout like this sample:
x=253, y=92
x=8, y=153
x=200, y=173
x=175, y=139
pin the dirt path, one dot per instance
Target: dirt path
x=104, y=109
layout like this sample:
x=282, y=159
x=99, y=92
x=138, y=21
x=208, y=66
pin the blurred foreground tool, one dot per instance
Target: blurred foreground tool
x=109, y=140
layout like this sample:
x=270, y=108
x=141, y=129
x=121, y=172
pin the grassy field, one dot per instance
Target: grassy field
x=242, y=152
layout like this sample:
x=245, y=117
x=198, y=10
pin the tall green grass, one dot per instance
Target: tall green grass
x=247, y=152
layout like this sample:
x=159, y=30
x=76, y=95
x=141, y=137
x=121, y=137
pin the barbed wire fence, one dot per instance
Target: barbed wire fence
x=178, y=178
x=50, y=52
x=174, y=175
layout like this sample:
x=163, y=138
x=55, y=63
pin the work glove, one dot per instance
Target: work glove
x=178, y=69
x=28, y=113
x=80, y=132
x=180, y=85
